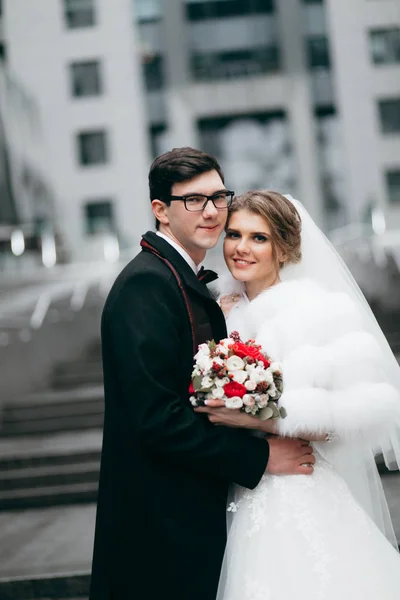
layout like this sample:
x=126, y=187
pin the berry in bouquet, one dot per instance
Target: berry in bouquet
x=240, y=374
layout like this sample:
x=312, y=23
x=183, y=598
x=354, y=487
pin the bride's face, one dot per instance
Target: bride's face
x=248, y=249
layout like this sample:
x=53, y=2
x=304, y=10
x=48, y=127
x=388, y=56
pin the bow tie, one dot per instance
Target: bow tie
x=206, y=275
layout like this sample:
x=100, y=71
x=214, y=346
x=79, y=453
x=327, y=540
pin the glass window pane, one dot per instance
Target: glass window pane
x=79, y=13
x=227, y=8
x=85, y=79
x=389, y=113
x=235, y=63
x=147, y=10
x=385, y=45
x=393, y=186
x=318, y=52
x=99, y=216
x=92, y=147
x=152, y=66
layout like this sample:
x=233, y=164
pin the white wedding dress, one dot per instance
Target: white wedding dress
x=316, y=537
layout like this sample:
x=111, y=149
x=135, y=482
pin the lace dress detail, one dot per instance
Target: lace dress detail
x=305, y=537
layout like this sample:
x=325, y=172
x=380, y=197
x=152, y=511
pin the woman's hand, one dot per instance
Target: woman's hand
x=218, y=414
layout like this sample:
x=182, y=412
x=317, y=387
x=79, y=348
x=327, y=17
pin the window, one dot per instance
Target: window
x=235, y=63
x=99, y=216
x=79, y=13
x=92, y=148
x=389, y=113
x=385, y=45
x=226, y=8
x=393, y=185
x=147, y=11
x=318, y=52
x=152, y=67
x=85, y=79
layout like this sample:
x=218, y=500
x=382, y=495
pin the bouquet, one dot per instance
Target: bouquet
x=240, y=374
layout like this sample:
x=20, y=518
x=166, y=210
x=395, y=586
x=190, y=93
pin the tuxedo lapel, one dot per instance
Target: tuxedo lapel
x=185, y=271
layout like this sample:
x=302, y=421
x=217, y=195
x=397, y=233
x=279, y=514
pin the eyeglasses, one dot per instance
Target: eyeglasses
x=197, y=202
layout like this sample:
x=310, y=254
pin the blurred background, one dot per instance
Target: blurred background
x=301, y=96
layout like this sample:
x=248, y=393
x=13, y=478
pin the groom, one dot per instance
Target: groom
x=165, y=470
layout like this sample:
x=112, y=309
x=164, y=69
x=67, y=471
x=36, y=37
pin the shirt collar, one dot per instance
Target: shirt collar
x=181, y=251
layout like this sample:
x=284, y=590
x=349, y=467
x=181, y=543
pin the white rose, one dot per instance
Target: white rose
x=268, y=377
x=275, y=367
x=220, y=349
x=256, y=376
x=272, y=390
x=248, y=400
x=239, y=376
x=250, y=385
x=250, y=368
x=218, y=361
x=263, y=400
x=234, y=402
x=203, y=350
x=217, y=392
x=221, y=382
x=204, y=363
x=206, y=382
x=234, y=363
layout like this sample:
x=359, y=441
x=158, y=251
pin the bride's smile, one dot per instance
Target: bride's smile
x=250, y=253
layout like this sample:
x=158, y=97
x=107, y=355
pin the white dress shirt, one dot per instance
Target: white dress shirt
x=181, y=251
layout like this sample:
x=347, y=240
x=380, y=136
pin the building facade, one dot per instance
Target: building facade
x=79, y=60
x=300, y=96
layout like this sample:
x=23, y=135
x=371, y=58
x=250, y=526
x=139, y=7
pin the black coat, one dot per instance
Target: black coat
x=165, y=470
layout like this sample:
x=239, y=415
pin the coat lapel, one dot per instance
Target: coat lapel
x=187, y=274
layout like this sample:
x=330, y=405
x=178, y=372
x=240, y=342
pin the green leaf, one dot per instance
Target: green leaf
x=197, y=382
x=265, y=413
x=283, y=412
x=275, y=410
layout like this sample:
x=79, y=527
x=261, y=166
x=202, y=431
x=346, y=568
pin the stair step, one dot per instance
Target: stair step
x=31, y=413
x=59, y=460
x=53, y=424
x=61, y=587
x=48, y=496
x=52, y=397
x=71, y=380
x=57, y=446
x=50, y=475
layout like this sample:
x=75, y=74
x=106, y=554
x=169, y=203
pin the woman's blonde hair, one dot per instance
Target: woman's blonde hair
x=281, y=216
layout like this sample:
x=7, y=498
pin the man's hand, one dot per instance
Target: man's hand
x=289, y=456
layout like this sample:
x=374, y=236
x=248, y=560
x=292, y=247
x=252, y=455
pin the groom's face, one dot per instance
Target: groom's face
x=196, y=232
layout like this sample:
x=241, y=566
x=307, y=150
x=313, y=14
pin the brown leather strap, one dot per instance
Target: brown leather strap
x=149, y=248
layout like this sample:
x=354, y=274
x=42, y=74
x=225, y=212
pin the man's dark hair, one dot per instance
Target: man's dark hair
x=175, y=166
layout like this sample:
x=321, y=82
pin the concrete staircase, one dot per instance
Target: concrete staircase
x=50, y=446
x=43, y=459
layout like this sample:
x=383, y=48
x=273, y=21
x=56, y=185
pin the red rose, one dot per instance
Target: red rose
x=265, y=362
x=233, y=388
x=191, y=388
x=243, y=350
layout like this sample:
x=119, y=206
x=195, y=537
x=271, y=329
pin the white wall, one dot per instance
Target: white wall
x=359, y=84
x=40, y=49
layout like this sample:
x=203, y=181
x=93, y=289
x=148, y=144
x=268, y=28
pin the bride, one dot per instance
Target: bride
x=327, y=536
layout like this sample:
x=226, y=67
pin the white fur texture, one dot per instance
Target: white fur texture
x=332, y=369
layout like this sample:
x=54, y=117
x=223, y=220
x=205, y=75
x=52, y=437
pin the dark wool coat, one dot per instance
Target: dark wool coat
x=165, y=470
